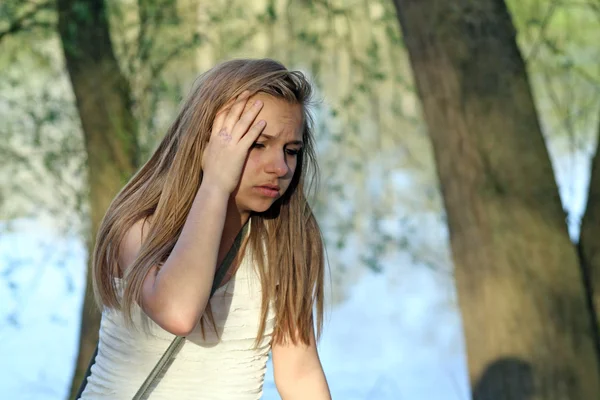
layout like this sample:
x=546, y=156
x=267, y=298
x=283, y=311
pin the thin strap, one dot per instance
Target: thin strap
x=169, y=356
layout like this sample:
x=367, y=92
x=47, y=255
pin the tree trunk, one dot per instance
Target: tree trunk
x=527, y=326
x=104, y=103
x=589, y=239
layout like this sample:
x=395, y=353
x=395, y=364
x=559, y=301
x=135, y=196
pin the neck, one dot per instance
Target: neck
x=235, y=219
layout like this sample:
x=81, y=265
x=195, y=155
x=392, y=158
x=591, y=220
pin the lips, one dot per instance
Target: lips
x=273, y=187
x=268, y=190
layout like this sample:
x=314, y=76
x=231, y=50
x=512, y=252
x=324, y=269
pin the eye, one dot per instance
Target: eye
x=256, y=145
x=292, y=152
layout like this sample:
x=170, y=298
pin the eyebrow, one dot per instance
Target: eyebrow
x=269, y=137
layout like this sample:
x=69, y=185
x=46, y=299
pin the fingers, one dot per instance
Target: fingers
x=246, y=120
x=235, y=111
x=218, y=122
x=253, y=134
x=222, y=115
x=234, y=122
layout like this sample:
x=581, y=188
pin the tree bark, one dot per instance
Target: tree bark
x=104, y=104
x=527, y=325
x=589, y=239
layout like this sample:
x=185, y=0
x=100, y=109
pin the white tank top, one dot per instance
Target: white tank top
x=230, y=368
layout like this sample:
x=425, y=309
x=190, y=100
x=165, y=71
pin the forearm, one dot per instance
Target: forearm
x=312, y=385
x=182, y=285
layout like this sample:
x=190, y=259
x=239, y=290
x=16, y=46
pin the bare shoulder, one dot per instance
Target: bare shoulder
x=132, y=242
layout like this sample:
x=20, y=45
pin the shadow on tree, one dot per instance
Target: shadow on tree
x=504, y=379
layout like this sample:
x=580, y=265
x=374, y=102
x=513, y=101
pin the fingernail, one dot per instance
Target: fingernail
x=258, y=103
x=261, y=123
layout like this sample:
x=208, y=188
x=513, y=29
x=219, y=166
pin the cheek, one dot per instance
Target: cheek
x=293, y=164
x=251, y=167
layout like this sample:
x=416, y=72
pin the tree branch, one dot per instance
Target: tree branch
x=543, y=25
x=27, y=21
x=157, y=68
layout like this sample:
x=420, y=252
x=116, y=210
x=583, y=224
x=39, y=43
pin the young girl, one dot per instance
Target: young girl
x=236, y=156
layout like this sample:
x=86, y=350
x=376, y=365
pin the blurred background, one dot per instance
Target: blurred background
x=443, y=153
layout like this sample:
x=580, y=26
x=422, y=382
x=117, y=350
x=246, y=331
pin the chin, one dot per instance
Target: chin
x=257, y=206
x=261, y=208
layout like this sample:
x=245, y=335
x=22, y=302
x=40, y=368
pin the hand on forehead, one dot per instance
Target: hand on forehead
x=257, y=96
x=249, y=102
x=278, y=113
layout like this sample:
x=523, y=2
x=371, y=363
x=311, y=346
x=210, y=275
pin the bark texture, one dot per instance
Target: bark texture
x=589, y=239
x=104, y=104
x=528, y=328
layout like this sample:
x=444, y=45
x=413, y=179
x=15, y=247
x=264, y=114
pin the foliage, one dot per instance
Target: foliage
x=41, y=150
x=559, y=42
x=378, y=188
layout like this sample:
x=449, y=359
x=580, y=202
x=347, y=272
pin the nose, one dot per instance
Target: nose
x=276, y=164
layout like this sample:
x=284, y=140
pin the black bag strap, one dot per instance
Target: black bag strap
x=169, y=355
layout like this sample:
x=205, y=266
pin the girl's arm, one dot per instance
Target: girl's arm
x=298, y=371
x=176, y=295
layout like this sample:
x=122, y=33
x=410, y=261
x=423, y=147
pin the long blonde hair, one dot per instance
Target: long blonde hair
x=166, y=185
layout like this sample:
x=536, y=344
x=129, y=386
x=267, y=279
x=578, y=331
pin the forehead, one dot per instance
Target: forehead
x=283, y=118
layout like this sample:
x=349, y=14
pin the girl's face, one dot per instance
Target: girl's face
x=272, y=159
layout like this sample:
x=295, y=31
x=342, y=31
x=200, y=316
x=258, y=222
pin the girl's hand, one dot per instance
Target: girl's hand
x=232, y=135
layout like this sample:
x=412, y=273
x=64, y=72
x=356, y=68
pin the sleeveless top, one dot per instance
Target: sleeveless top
x=227, y=366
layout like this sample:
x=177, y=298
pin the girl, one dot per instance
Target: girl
x=235, y=157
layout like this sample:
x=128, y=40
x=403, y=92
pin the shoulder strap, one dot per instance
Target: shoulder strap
x=169, y=355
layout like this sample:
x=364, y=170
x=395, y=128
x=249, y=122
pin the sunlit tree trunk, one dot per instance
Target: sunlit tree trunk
x=103, y=101
x=528, y=327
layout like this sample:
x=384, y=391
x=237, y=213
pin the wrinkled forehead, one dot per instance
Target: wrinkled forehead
x=282, y=117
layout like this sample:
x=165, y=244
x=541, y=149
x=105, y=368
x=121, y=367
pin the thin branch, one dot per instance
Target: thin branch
x=156, y=69
x=592, y=5
x=544, y=24
x=575, y=67
x=27, y=20
x=146, y=18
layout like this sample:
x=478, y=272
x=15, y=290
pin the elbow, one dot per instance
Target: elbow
x=178, y=320
x=178, y=324
x=179, y=329
x=178, y=316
